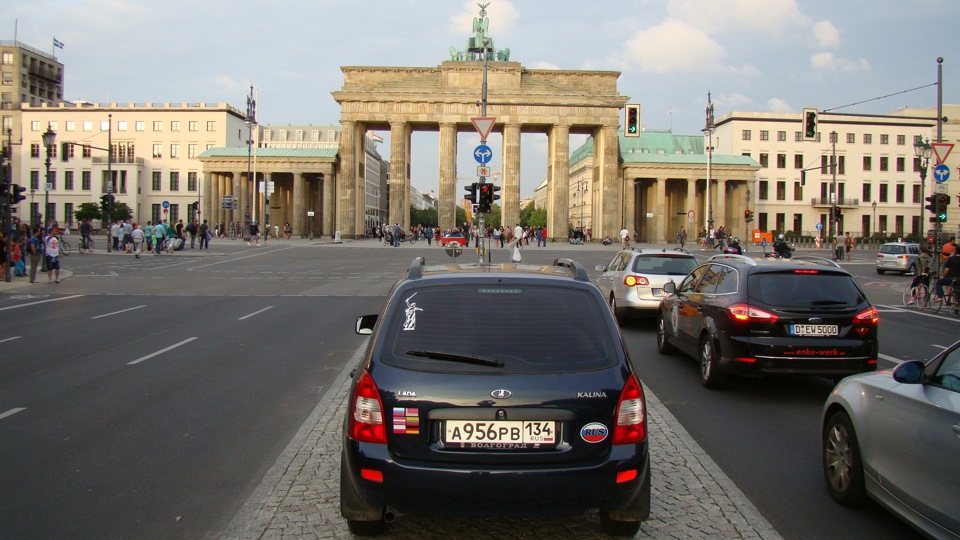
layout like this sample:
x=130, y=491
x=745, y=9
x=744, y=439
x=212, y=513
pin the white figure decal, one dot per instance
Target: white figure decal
x=411, y=312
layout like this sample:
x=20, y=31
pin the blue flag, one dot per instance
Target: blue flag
x=57, y=43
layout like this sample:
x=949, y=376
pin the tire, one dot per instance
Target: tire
x=910, y=293
x=366, y=528
x=934, y=303
x=881, y=272
x=90, y=245
x=923, y=297
x=710, y=375
x=618, y=528
x=65, y=248
x=842, y=467
x=617, y=312
x=663, y=344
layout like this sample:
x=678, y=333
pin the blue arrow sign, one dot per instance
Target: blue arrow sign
x=819, y=226
x=941, y=173
x=165, y=204
x=483, y=154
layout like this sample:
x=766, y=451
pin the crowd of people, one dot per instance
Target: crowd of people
x=501, y=236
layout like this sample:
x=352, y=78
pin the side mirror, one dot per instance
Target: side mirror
x=670, y=287
x=909, y=372
x=365, y=324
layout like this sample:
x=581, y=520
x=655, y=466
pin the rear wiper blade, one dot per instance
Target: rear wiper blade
x=434, y=355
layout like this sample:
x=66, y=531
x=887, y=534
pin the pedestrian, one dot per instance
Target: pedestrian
x=537, y=235
x=159, y=237
x=115, y=235
x=34, y=249
x=52, y=253
x=847, y=244
x=148, y=236
x=624, y=237
x=204, y=231
x=287, y=231
x=396, y=235
x=192, y=229
x=254, y=233
x=138, y=238
x=16, y=257
x=517, y=256
x=681, y=237
x=543, y=234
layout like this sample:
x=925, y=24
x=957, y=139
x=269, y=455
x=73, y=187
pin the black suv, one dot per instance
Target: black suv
x=741, y=316
x=494, y=390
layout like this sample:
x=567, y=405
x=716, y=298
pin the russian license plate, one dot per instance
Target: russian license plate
x=813, y=330
x=499, y=435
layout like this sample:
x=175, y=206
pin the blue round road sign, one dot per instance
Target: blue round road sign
x=941, y=173
x=819, y=226
x=165, y=204
x=483, y=154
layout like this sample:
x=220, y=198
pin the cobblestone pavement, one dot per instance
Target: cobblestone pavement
x=299, y=497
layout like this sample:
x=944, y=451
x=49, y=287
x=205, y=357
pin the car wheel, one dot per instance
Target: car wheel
x=365, y=528
x=617, y=312
x=663, y=344
x=842, y=468
x=879, y=271
x=710, y=375
x=618, y=528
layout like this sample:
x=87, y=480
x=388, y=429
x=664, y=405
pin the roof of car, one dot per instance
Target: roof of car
x=560, y=268
x=776, y=264
x=661, y=251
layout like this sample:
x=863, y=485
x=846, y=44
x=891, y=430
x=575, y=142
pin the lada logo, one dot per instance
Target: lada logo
x=501, y=394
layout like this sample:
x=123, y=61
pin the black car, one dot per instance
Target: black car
x=740, y=316
x=494, y=390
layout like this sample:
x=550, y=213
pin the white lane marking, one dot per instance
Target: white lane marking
x=12, y=412
x=230, y=260
x=118, y=312
x=896, y=361
x=9, y=339
x=255, y=313
x=161, y=351
x=42, y=302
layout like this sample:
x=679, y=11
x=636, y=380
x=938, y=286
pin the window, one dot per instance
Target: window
x=797, y=193
x=841, y=164
x=192, y=181
x=866, y=192
x=211, y=125
x=34, y=180
x=797, y=136
x=85, y=180
x=104, y=125
x=884, y=139
x=283, y=135
x=175, y=125
x=798, y=161
x=87, y=152
x=901, y=164
x=157, y=125
x=266, y=134
x=71, y=125
x=174, y=180
x=916, y=164
x=782, y=136
x=884, y=192
x=7, y=58
x=867, y=138
x=316, y=135
x=192, y=150
x=901, y=193
x=87, y=125
x=122, y=125
x=52, y=180
x=851, y=138
x=139, y=125
x=884, y=163
x=157, y=150
x=299, y=135
x=764, y=190
x=781, y=191
x=764, y=160
x=833, y=136
x=192, y=125
x=867, y=163
x=68, y=180
x=901, y=140
x=34, y=125
x=174, y=151
x=746, y=135
x=764, y=135
x=68, y=212
x=781, y=161
x=155, y=184
x=34, y=150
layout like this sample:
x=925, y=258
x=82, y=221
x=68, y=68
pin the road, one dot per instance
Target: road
x=149, y=397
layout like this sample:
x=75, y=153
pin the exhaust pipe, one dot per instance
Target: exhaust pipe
x=390, y=515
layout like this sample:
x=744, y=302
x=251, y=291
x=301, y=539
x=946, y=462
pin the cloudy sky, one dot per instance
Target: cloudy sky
x=752, y=55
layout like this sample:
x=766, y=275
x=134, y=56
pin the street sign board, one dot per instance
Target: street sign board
x=483, y=154
x=819, y=226
x=483, y=126
x=940, y=189
x=165, y=204
x=48, y=186
x=941, y=173
x=942, y=150
x=483, y=170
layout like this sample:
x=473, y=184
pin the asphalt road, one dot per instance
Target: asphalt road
x=147, y=397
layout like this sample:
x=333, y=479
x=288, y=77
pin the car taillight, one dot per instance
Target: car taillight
x=631, y=281
x=366, y=414
x=631, y=414
x=867, y=316
x=747, y=313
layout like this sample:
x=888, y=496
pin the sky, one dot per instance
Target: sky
x=751, y=55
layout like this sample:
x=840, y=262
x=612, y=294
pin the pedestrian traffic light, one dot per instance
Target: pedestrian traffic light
x=931, y=204
x=810, y=124
x=18, y=194
x=631, y=126
x=943, y=202
x=471, y=192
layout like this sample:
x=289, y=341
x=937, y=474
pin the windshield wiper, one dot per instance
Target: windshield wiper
x=434, y=355
x=827, y=302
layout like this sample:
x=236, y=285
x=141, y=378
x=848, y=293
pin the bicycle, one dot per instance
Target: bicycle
x=65, y=248
x=951, y=299
x=85, y=244
x=919, y=294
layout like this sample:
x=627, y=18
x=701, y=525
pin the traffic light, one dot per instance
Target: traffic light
x=18, y=194
x=484, y=197
x=496, y=194
x=943, y=202
x=838, y=213
x=810, y=124
x=471, y=192
x=748, y=215
x=4, y=191
x=631, y=126
x=196, y=204
x=931, y=204
x=833, y=213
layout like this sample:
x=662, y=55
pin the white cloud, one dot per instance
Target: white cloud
x=544, y=65
x=778, y=105
x=226, y=83
x=730, y=101
x=764, y=16
x=826, y=34
x=501, y=14
x=673, y=46
x=828, y=62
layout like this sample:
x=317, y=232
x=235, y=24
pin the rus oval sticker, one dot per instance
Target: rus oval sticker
x=594, y=432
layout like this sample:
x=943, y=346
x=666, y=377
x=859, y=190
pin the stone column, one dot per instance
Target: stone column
x=720, y=213
x=607, y=215
x=448, y=195
x=399, y=180
x=626, y=216
x=559, y=180
x=328, y=195
x=660, y=212
x=205, y=189
x=692, y=230
x=346, y=182
x=300, y=195
x=212, y=192
x=510, y=195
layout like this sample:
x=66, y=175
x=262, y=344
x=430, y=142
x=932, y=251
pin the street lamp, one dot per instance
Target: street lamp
x=922, y=150
x=708, y=132
x=49, y=139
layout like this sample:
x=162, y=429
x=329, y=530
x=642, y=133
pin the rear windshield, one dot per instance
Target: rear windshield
x=893, y=250
x=531, y=329
x=664, y=265
x=803, y=290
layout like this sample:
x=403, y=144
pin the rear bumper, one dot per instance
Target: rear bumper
x=423, y=488
x=831, y=358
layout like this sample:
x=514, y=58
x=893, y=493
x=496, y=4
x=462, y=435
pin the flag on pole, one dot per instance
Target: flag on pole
x=57, y=44
x=374, y=136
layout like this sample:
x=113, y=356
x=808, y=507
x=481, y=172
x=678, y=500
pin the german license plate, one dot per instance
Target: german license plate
x=657, y=292
x=499, y=435
x=813, y=330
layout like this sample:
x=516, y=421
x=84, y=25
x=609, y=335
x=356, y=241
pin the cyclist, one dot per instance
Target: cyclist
x=923, y=271
x=951, y=269
x=85, y=230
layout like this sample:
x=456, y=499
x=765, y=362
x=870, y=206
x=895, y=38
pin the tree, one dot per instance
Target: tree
x=426, y=217
x=531, y=216
x=87, y=210
x=118, y=211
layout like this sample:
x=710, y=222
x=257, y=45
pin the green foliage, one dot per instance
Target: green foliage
x=461, y=217
x=537, y=217
x=87, y=210
x=426, y=217
x=494, y=217
x=119, y=210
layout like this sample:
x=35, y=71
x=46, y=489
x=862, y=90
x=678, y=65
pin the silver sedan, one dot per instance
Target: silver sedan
x=894, y=436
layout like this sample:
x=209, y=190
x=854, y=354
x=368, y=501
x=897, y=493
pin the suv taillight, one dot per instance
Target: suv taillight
x=631, y=414
x=748, y=313
x=366, y=413
x=867, y=316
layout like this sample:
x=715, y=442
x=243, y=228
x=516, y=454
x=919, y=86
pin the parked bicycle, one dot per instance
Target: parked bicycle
x=85, y=244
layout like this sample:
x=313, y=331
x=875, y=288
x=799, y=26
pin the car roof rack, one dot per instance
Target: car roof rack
x=574, y=267
x=733, y=257
x=416, y=268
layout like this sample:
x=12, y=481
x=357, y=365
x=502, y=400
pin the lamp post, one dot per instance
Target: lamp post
x=708, y=132
x=874, y=218
x=49, y=139
x=922, y=150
